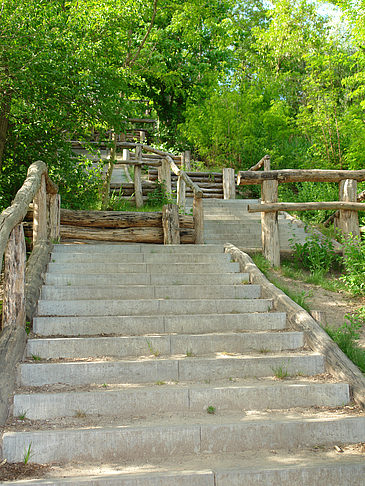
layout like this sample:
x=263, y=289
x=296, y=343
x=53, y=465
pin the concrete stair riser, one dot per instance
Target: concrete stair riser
x=150, y=292
x=151, y=307
x=137, y=325
x=153, y=370
x=145, y=279
x=141, y=345
x=142, y=268
x=141, y=443
x=136, y=248
x=124, y=258
x=173, y=398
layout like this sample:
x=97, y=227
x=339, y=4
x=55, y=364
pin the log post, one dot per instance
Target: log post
x=181, y=188
x=40, y=227
x=126, y=157
x=198, y=217
x=269, y=224
x=138, y=194
x=229, y=186
x=348, y=221
x=165, y=175
x=267, y=162
x=54, y=216
x=187, y=160
x=14, y=279
x=170, y=224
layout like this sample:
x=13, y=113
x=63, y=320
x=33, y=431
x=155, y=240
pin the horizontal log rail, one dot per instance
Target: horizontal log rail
x=306, y=206
x=290, y=175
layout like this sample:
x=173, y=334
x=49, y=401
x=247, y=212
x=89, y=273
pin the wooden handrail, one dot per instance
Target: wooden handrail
x=259, y=164
x=306, y=206
x=15, y=213
x=22, y=283
x=292, y=175
x=181, y=173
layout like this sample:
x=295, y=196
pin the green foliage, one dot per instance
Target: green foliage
x=159, y=196
x=354, y=263
x=316, y=254
x=347, y=337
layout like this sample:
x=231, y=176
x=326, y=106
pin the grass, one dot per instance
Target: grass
x=189, y=353
x=80, y=414
x=36, y=357
x=211, y=410
x=152, y=350
x=27, y=454
x=280, y=372
x=22, y=415
x=160, y=383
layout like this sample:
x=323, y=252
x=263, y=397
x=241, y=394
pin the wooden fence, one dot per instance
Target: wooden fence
x=22, y=279
x=348, y=221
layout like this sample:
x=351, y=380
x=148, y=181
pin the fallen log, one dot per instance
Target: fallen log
x=123, y=235
x=110, y=219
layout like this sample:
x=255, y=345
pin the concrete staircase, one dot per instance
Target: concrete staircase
x=161, y=366
x=229, y=221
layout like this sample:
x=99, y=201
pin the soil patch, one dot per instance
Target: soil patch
x=19, y=470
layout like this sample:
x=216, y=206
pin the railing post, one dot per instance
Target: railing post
x=187, y=160
x=126, y=157
x=181, y=191
x=198, y=217
x=269, y=224
x=164, y=175
x=138, y=194
x=14, y=279
x=54, y=216
x=171, y=224
x=348, y=221
x=40, y=227
x=229, y=185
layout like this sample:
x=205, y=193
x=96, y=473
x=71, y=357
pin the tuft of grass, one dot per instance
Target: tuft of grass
x=27, y=454
x=36, y=357
x=189, y=353
x=105, y=385
x=264, y=351
x=160, y=383
x=211, y=410
x=80, y=413
x=152, y=350
x=27, y=327
x=280, y=372
x=22, y=415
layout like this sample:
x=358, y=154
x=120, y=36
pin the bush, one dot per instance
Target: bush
x=316, y=254
x=354, y=263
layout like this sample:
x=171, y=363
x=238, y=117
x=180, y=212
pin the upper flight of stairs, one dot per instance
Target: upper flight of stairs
x=134, y=345
x=229, y=221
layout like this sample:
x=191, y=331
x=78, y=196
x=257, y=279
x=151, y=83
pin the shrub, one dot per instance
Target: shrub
x=354, y=263
x=316, y=254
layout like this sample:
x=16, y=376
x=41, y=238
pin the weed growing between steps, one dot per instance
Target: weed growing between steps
x=20, y=470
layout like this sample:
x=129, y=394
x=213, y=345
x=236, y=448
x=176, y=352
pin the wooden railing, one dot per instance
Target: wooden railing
x=22, y=280
x=348, y=221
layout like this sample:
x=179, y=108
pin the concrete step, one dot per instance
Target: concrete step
x=284, y=468
x=246, y=291
x=195, y=344
x=165, y=268
x=94, y=279
x=137, y=248
x=151, y=307
x=123, y=257
x=145, y=401
x=137, y=325
x=143, y=442
x=151, y=370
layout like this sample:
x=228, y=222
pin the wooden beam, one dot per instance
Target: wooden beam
x=290, y=175
x=170, y=224
x=181, y=193
x=259, y=164
x=138, y=194
x=175, y=169
x=54, y=209
x=110, y=219
x=305, y=206
x=14, y=279
x=165, y=175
